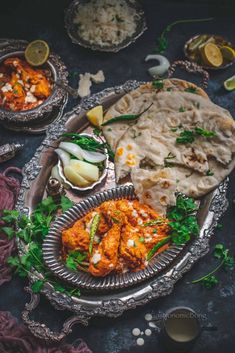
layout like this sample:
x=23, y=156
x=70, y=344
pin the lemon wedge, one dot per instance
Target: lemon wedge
x=229, y=84
x=228, y=52
x=212, y=55
x=37, y=52
x=96, y=115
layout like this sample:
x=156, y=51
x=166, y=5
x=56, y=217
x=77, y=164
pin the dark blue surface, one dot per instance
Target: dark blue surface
x=44, y=19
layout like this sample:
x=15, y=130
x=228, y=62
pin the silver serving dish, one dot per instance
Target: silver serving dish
x=111, y=303
x=39, y=115
x=76, y=39
x=93, y=185
x=207, y=67
x=52, y=248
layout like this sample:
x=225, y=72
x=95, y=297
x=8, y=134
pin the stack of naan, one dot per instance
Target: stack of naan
x=147, y=149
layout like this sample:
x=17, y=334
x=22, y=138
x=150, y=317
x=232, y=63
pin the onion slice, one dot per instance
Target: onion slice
x=72, y=148
x=64, y=156
x=75, y=150
x=161, y=69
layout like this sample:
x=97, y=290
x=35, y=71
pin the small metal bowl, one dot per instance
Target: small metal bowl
x=52, y=248
x=57, y=70
x=71, y=28
x=93, y=185
x=219, y=39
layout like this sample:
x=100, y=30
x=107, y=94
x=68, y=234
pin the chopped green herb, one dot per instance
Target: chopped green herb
x=191, y=89
x=155, y=231
x=174, y=129
x=169, y=89
x=182, y=109
x=209, y=173
x=186, y=136
x=205, y=133
x=158, y=84
x=141, y=239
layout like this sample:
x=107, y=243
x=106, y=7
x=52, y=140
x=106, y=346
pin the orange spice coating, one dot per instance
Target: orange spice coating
x=123, y=237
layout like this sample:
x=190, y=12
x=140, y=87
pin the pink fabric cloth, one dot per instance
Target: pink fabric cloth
x=9, y=190
x=15, y=337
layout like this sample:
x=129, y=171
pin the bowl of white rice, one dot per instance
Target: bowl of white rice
x=105, y=25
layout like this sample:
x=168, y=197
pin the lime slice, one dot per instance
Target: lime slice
x=229, y=84
x=95, y=115
x=37, y=52
x=212, y=55
x=228, y=52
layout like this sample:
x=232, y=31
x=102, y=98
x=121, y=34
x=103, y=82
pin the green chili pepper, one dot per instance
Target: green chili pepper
x=154, y=222
x=127, y=117
x=157, y=246
x=94, y=226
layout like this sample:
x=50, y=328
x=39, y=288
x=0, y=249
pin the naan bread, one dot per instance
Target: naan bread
x=147, y=150
x=153, y=138
x=157, y=188
x=138, y=100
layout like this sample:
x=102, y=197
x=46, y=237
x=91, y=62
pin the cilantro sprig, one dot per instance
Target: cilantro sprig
x=227, y=262
x=32, y=230
x=183, y=224
x=183, y=221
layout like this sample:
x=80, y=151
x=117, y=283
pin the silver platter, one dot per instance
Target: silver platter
x=52, y=248
x=76, y=39
x=114, y=302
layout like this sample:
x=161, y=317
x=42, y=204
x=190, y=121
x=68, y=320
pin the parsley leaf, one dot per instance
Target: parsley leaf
x=32, y=231
x=37, y=286
x=66, y=203
x=183, y=222
x=226, y=261
x=9, y=231
x=210, y=281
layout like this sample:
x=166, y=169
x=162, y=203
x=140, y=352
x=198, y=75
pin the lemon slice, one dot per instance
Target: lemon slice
x=228, y=52
x=229, y=84
x=37, y=52
x=212, y=55
x=96, y=115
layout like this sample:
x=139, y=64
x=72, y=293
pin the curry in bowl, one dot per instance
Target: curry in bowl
x=22, y=87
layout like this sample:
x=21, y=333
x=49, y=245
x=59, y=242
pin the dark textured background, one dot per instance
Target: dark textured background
x=44, y=19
